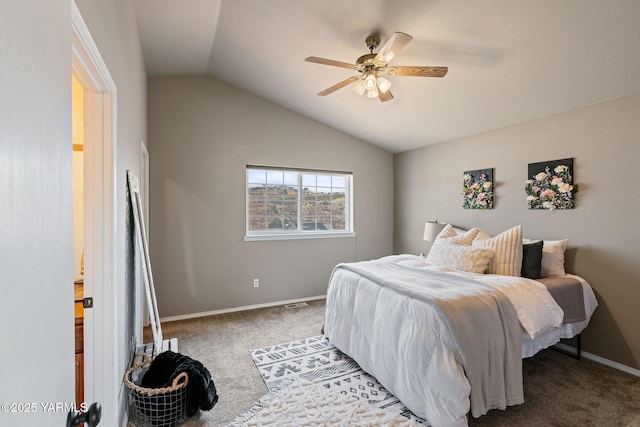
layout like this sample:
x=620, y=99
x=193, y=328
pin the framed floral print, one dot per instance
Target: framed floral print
x=550, y=185
x=477, y=189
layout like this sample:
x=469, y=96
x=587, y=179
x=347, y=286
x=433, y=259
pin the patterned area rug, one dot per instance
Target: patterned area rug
x=304, y=403
x=318, y=361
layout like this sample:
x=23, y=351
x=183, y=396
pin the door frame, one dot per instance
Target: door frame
x=100, y=343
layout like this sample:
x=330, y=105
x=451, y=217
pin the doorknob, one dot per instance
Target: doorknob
x=91, y=417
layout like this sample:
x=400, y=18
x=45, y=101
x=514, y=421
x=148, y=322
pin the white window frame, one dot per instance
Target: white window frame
x=261, y=235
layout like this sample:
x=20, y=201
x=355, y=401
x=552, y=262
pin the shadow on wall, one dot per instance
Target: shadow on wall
x=604, y=331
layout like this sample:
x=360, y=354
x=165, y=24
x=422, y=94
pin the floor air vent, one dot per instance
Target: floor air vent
x=296, y=305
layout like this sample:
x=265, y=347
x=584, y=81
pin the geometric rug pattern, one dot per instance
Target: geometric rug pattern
x=304, y=403
x=316, y=360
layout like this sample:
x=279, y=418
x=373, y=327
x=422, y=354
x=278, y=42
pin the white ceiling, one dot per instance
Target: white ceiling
x=509, y=60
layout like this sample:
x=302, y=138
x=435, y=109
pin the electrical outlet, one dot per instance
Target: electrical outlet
x=256, y=283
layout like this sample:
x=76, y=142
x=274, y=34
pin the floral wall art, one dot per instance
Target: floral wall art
x=550, y=185
x=477, y=189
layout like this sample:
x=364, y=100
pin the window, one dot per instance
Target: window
x=297, y=203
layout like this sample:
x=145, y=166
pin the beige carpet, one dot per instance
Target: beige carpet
x=222, y=344
x=559, y=390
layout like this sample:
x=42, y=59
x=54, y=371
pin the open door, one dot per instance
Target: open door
x=99, y=115
x=77, y=125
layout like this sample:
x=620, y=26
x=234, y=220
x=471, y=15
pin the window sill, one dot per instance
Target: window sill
x=263, y=237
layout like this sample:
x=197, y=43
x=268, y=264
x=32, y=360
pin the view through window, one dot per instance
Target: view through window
x=289, y=201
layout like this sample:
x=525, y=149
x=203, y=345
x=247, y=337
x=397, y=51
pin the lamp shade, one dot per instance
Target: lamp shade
x=432, y=229
x=383, y=84
x=370, y=82
x=359, y=88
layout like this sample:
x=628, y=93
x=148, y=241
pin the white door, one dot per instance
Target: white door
x=101, y=381
x=36, y=251
x=36, y=248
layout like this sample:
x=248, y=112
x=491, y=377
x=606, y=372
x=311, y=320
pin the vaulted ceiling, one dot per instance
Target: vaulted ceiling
x=509, y=60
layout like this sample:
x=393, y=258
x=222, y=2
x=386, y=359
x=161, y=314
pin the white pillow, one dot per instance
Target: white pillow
x=552, y=256
x=465, y=238
x=459, y=231
x=446, y=253
x=446, y=232
x=507, y=246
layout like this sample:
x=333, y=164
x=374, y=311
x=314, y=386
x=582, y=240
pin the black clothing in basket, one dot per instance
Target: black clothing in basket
x=166, y=366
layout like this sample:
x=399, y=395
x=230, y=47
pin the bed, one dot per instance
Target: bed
x=446, y=334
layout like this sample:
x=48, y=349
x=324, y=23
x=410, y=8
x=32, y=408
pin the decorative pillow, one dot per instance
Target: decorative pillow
x=507, y=246
x=552, y=257
x=449, y=233
x=446, y=232
x=459, y=231
x=483, y=235
x=446, y=253
x=531, y=260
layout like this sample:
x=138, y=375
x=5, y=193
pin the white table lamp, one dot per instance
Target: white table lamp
x=432, y=229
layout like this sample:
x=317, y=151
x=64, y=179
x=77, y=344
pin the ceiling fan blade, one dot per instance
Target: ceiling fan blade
x=338, y=86
x=323, y=61
x=385, y=96
x=396, y=42
x=416, y=71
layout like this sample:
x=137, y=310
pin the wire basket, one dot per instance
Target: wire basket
x=155, y=407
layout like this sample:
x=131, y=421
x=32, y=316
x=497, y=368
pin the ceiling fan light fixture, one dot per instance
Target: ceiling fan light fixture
x=359, y=87
x=383, y=84
x=370, y=65
x=370, y=82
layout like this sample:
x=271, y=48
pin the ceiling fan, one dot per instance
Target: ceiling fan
x=372, y=65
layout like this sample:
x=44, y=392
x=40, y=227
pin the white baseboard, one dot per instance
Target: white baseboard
x=232, y=310
x=601, y=360
x=612, y=364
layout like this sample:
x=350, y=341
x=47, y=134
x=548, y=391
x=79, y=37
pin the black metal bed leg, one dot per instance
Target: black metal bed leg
x=578, y=353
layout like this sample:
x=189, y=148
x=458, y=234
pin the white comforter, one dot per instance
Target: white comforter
x=406, y=344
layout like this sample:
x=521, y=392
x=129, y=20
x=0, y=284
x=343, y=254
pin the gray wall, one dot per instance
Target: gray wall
x=603, y=229
x=202, y=135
